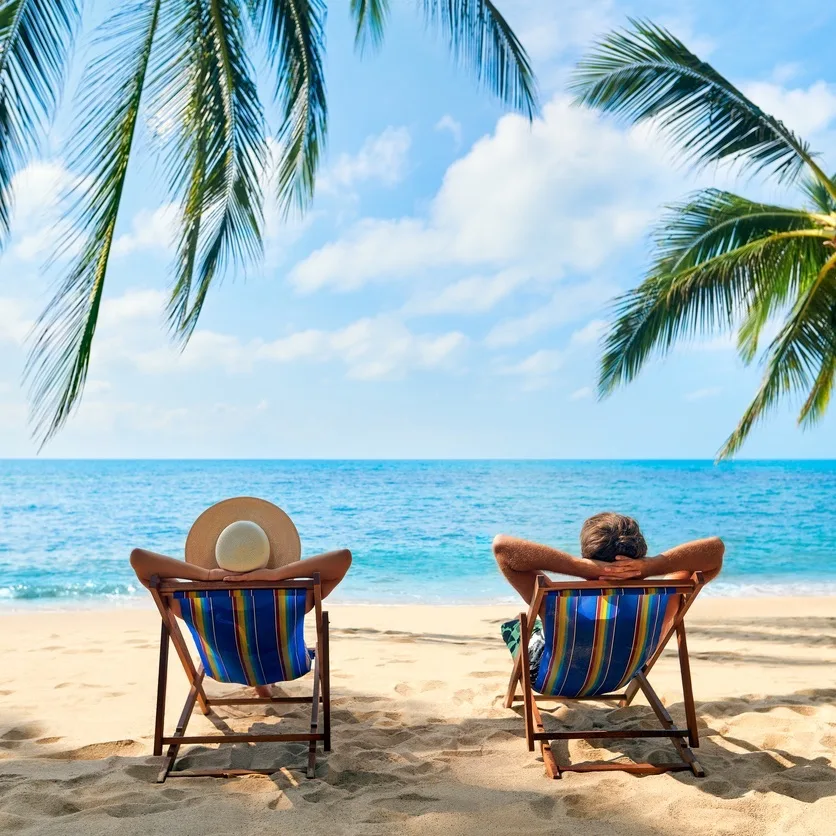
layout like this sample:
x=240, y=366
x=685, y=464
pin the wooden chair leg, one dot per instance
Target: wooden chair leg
x=180, y=730
x=549, y=761
x=326, y=683
x=667, y=722
x=512, y=684
x=311, y=772
x=629, y=693
x=162, y=680
x=528, y=697
x=687, y=690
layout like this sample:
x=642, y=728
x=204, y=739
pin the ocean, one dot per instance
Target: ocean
x=420, y=531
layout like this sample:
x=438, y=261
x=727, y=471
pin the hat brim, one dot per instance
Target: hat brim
x=285, y=545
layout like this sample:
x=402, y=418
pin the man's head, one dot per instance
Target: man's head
x=606, y=535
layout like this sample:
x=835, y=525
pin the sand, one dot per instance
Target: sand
x=422, y=744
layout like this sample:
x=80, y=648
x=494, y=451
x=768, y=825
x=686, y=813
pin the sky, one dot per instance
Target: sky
x=446, y=294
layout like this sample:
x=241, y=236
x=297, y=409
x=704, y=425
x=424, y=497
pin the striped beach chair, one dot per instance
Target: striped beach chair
x=601, y=638
x=245, y=634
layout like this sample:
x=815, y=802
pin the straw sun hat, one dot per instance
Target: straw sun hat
x=243, y=534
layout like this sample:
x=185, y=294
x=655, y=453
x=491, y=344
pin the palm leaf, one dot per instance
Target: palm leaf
x=481, y=39
x=370, y=19
x=294, y=32
x=801, y=357
x=218, y=153
x=112, y=90
x=820, y=196
x=646, y=73
x=718, y=256
x=35, y=39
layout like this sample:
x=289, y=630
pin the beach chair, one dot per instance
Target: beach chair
x=600, y=638
x=250, y=634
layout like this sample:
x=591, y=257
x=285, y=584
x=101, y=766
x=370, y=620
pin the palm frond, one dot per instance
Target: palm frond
x=481, y=39
x=370, y=20
x=821, y=198
x=717, y=256
x=644, y=73
x=35, y=40
x=800, y=358
x=112, y=91
x=218, y=154
x=294, y=32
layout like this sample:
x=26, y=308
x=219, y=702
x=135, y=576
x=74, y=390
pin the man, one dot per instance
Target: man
x=612, y=549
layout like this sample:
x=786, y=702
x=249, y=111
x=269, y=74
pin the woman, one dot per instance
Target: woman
x=332, y=568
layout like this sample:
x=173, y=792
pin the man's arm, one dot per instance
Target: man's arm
x=521, y=561
x=147, y=564
x=332, y=568
x=678, y=563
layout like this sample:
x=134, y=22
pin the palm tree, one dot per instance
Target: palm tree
x=187, y=65
x=722, y=262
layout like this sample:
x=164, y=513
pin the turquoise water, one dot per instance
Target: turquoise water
x=419, y=531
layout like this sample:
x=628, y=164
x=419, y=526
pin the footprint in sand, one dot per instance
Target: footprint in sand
x=463, y=696
x=23, y=733
x=403, y=689
x=543, y=808
x=99, y=751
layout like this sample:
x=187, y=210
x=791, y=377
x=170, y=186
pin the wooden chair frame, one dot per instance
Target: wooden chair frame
x=320, y=727
x=534, y=730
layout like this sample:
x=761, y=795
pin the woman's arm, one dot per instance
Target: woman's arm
x=678, y=563
x=332, y=568
x=147, y=564
x=521, y=561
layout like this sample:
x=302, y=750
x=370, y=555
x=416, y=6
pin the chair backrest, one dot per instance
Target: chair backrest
x=598, y=639
x=251, y=636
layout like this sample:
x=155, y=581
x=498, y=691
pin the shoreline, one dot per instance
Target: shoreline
x=22, y=606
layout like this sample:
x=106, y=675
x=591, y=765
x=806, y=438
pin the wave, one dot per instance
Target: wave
x=88, y=590
x=92, y=594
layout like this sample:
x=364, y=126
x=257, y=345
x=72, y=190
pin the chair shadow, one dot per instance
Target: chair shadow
x=734, y=766
x=390, y=765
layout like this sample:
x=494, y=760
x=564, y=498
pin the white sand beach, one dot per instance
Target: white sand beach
x=421, y=742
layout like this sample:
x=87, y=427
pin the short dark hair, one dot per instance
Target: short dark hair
x=606, y=535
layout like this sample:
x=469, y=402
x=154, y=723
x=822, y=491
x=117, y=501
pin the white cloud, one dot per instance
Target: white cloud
x=131, y=305
x=14, y=324
x=206, y=350
x=563, y=194
x=150, y=230
x=787, y=71
x=581, y=394
x=451, y=125
x=471, y=295
x=701, y=394
x=36, y=194
x=804, y=110
x=590, y=334
x=548, y=30
x=379, y=347
x=568, y=304
x=381, y=158
x=38, y=188
x=537, y=369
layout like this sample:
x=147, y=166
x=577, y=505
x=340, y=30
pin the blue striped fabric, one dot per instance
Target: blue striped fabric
x=597, y=640
x=248, y=636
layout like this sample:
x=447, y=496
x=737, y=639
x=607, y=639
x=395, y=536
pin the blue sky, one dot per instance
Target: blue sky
x=445, y=295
